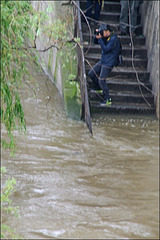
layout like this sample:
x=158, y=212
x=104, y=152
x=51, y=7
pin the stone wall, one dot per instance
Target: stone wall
x=150, y=22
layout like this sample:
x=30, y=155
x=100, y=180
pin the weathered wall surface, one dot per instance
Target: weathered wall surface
x=59, y=65
x=42, y=42
x=150, y=22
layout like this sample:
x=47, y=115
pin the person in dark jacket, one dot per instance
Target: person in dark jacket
x=110, y=46
x=97, y=9
x=126, y=7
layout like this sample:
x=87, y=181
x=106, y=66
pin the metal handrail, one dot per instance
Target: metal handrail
x=85, y=113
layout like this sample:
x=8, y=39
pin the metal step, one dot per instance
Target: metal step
x=126, y=73
x=125, y=40
x=127, y=61
x=113, y=17
x=138, y=51
x=124, y=86
x=109, y=6
x=121, y=108
x=129, y=97
x=114, y=26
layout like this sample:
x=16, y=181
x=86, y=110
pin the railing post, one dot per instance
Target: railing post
x=85, y=112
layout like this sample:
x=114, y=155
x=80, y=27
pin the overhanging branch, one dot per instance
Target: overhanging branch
x=41, y=50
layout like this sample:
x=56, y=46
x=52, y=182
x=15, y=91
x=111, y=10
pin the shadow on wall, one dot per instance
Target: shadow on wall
x=150, y=22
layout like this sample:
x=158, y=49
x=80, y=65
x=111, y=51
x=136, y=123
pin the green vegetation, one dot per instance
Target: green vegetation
x=15, y=29
x=68, y=57
x=6, y=206
x=20, y=27
x=72, y=96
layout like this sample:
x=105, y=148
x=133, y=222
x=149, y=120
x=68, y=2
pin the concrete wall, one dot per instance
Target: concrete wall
x=58, y=65
x=150, y=22
x=42, y=42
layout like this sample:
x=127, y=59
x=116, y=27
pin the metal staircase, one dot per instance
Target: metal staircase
x=128, y=95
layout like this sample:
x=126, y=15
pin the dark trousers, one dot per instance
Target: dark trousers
x=125, y=7
x=97, y=8
x=98, y=74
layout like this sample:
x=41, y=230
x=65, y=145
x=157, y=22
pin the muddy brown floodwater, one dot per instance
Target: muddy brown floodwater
x=73, y=185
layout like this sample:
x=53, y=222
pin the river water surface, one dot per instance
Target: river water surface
x=74, y=185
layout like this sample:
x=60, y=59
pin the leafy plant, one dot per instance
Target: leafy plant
x=20, y=27
x=6, y=205
x=15, y=29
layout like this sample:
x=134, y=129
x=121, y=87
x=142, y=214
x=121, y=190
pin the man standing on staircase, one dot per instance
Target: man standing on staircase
x=110, y=46
x=129, y=11
x=97, y=9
